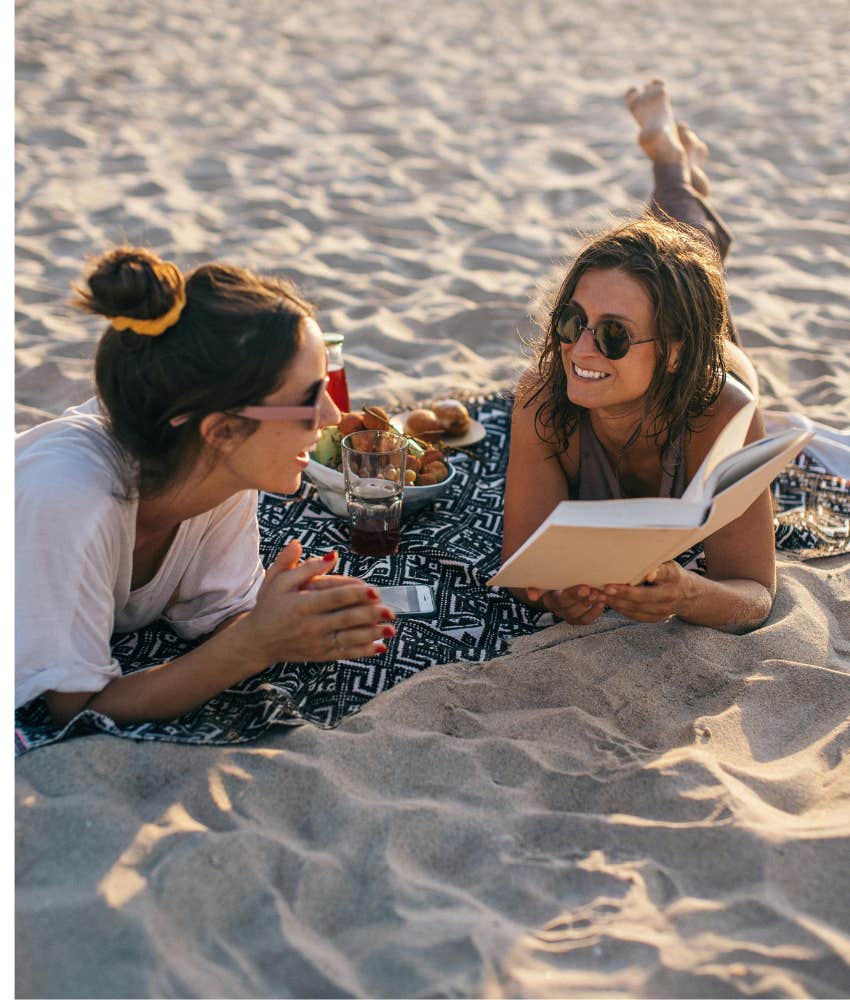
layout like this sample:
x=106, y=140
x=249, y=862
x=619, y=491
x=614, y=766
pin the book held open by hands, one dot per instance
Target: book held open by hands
x=596, y=542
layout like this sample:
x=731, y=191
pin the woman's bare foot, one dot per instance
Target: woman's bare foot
x=697, y=154
x=658, y=136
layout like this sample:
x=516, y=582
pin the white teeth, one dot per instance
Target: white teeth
x=587, y=373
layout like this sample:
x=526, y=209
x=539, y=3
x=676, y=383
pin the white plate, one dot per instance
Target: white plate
x=474, y=433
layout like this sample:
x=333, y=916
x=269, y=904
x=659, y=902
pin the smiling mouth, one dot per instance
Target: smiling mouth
x=589, y=374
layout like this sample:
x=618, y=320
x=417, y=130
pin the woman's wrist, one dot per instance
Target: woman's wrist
x=246, y=640
x=691, y=592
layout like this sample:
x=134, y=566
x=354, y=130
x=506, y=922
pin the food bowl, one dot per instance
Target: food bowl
x=331, y=488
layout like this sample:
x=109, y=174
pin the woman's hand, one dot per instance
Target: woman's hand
x=580, y=605
x=302, y=615
x=665, y=593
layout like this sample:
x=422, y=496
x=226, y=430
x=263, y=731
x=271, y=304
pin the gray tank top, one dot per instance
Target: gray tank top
x=597, y=480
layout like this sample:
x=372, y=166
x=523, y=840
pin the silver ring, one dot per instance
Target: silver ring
x=334, y=644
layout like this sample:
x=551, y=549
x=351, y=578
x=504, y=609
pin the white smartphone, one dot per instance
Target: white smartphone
x=415, y=600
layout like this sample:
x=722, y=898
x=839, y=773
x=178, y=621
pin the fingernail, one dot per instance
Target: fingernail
x=610, y=591
x=373, y=595
x=329, y=556
x=387, y=615
x=387, y=631
x=380, y=647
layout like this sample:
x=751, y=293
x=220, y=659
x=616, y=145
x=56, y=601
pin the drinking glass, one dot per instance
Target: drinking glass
x=373, y=464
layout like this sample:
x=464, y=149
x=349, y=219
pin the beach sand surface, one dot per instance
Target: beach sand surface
x=618, y=810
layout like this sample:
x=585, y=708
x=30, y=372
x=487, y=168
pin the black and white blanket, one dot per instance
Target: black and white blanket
x=454, y=547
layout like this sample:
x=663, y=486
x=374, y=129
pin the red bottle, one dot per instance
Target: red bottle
x=337, y=384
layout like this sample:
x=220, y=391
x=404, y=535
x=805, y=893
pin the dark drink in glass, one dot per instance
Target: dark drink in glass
x=374, y=539
x=373, y=464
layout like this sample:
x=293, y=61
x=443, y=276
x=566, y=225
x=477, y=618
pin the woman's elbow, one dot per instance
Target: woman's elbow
x=754, y=611
x=62, y=706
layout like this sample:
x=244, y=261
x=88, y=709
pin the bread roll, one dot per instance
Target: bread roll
x=453, y=417
x=423, y=424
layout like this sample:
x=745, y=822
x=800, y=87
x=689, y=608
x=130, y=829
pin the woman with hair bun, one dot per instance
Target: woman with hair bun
x=142, y=502
x=637, y=373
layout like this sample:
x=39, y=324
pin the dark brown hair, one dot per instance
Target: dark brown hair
x=682, y=274
x=230, y=347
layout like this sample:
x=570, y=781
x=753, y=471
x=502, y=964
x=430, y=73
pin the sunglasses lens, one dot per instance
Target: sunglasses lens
x=613, y=339
x=569, y=327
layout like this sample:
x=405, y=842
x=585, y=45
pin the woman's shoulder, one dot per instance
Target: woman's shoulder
x=733, y=397
x=530, y=385
x=72, y=458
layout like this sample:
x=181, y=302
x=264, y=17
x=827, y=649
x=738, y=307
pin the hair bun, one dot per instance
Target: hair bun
x=135, y=290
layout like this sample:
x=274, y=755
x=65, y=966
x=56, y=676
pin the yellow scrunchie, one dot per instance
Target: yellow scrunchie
x=151, y=327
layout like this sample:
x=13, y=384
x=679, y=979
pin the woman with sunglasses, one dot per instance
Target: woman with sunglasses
x=142, y=503
x=635, y=378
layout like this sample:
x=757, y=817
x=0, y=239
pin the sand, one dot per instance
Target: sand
x=620, y=810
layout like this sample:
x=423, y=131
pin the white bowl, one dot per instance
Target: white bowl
x=331, y=488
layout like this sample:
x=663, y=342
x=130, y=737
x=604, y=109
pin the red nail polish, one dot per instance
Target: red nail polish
x=380, y=647
x=387, y=615
x=387, y=632
x=373, y=595
x=329, y=556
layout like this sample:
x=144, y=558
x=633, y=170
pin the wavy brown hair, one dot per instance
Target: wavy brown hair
x=682, y=274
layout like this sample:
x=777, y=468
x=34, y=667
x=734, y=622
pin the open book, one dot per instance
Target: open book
x=620, y=541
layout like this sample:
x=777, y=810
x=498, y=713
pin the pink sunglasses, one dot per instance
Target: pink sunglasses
x=310, y=414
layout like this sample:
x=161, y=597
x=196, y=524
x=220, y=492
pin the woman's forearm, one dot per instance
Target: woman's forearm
x=169, y=689
x=735, y=606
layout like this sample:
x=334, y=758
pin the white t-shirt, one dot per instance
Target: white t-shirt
x=74, y=537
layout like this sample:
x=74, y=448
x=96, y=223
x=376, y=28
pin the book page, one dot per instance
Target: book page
x=742, y=463
x=637, y=512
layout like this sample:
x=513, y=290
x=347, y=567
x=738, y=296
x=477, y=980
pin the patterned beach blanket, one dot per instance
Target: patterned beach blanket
x=454, y=546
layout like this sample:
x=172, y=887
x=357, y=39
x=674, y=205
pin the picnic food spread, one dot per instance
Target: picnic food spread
x=425, y=465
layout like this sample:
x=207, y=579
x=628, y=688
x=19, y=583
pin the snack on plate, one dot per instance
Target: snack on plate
x=328, y=450
x=453, y=416
x=423, y=424
x=445, y=418
x=349, y=423
x=376, y=418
